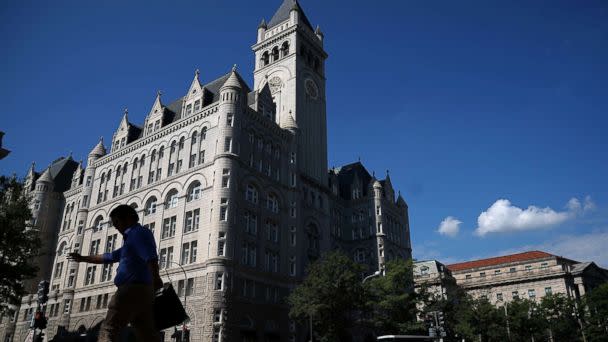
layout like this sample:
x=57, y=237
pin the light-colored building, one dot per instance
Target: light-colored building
x=530, y=275
x=434, y=277
x=234, y=184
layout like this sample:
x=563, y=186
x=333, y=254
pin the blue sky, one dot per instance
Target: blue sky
x=468, y=104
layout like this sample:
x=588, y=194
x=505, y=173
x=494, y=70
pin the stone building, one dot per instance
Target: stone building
x=530, y=275
x=234, y=184
x=435, y=278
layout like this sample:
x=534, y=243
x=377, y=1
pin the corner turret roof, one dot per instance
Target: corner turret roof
x=46, y=176
x=99, y=150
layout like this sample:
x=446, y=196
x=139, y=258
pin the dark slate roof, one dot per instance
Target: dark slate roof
x=212, y=90
x=134, y=132
x=62, y=171
x=346, y=175
x=282, y=14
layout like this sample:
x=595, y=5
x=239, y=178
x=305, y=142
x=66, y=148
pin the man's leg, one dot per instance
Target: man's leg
x=143, y=320
x=118, y=316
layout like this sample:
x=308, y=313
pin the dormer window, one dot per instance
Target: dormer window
x=189, y=109
x=156, y=125
x=197, y=105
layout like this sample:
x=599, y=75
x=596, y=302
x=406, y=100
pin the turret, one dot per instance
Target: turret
x=97, y=152
x=294, y=14
x=262, y=30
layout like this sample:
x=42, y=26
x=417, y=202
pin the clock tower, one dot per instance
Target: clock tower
x=290, y=59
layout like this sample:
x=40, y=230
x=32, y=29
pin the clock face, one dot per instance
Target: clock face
x=275, y=84
x=311, y=88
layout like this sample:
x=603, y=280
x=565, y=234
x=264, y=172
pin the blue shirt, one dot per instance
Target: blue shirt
x=137, y=250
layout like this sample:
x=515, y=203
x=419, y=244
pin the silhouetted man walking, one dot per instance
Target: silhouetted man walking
x=136, y=279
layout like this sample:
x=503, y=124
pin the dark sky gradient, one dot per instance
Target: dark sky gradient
x=465, y=102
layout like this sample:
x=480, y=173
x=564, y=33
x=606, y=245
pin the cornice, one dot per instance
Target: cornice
x=171, y=128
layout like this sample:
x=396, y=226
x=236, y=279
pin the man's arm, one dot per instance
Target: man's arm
x=156, y=280
x=92, y=259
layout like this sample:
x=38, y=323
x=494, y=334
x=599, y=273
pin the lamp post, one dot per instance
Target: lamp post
x=185, y=292
x=377, y=273
x=506, y=319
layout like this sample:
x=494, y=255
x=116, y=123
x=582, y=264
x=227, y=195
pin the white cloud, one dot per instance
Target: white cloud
x=450, y=226
x=503, y=216
x=585, y=247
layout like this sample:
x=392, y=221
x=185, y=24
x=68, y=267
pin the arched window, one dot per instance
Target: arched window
x=61, y=250
x=133, y=205
x=265, y=58
x=275, y=54
x=161, y=152
x=173, y=144
x=135, y=163
x=194, y=191
x=285, y=49
x=272, y=203
x=194, y=138
x=109, y=174
x=181, y=143
x=103, y=178
x=153, y=156
x=251, y=194
x=98, y=223
x=118, y=170
x=171, y=199
x=204, y=133
x=142, y=160
x=151, y=206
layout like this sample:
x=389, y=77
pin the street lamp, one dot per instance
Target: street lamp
x=377, y=273
x=185, y=291
x=506, y=319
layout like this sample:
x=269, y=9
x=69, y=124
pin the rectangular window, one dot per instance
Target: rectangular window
x=544, y=266
x=228, y=145
x=192, y=220
x=171, y=167
x=197, y=105
x=221, y=244
x=482, y=274
x=179, y=166
x=512, y=270
x=499, y=297
x=496, y=272
x=292, y=237
x=58, y=269
x=67, y=304
x=219, y=281
x=110, y=243
x=468, y=276
x=224, y=209
x=532, y=293
x=90, y=275
x=515, y=295
x=192, y=161
x=189, y=109
x=88, y=183
x=229, y=120
x=189, y=286
x=201, y=157
x=169, y=227
x=94, y=250
x=548, y=290
x=528, y=268
x=150, y=226
x=106, y=272
x=180, y=288
x=185, y=255
x=292, y=266
x=159, y=172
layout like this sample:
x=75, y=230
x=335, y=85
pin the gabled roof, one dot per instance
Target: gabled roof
x=282, y=14
x=507, y=259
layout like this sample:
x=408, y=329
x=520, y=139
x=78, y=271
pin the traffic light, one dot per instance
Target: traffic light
x=39, y=320
x=43, y=292
x=440, y=318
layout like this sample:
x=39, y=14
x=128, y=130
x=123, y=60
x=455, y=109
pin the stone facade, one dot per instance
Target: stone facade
x=434, y=277
x=530, y=275
x=234, y=184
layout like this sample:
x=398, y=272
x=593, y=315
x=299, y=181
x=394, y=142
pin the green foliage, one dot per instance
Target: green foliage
x=525, y=320
x=331, y=293
x=478, y=319
x=390, y=300
x=450, y=306
x=19, y=243
x=596, y=315
x=560, y=314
